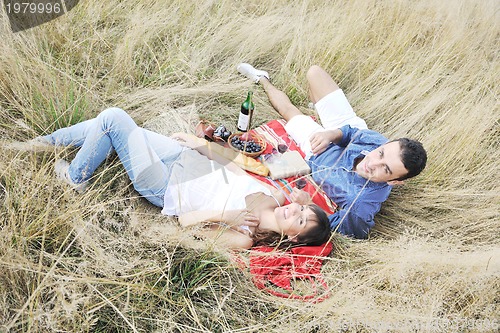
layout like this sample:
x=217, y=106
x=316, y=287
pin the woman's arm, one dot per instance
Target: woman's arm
x=228, y=238
x=234, y=161
x=202, y=146
x=235, y=217
x=222, y=235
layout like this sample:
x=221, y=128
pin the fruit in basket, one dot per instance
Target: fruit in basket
x=245, y=144
x=245, y=136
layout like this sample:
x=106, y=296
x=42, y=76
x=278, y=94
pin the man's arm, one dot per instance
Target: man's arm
x=343, y=136
x=349, y=224
x=356, y=218
x=321, y=140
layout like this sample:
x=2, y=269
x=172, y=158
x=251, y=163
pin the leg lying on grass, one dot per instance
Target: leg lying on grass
x=143, y=153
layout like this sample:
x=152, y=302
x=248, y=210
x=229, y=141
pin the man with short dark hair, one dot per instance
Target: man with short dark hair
x=355, y=166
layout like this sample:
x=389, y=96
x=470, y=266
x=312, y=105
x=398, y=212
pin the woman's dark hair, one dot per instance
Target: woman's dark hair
x=317, y=235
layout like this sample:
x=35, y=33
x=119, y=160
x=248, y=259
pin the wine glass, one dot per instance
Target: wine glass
x=300, y=183
x=282, y=148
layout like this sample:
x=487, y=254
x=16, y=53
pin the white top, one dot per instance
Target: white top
x=198, y=183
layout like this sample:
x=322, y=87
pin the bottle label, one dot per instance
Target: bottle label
x=243, y=122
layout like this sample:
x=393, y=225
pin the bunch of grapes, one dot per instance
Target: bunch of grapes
x=222, y=133
x=249, y=146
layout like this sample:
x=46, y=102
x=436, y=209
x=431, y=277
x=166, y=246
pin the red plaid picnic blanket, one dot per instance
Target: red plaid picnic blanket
x=273, y=270
x=274, y=134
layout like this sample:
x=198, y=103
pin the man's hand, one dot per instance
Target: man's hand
x=300, y=197
x=321, y=140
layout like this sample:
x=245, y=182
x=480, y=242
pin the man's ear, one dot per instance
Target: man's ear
x=396, y=182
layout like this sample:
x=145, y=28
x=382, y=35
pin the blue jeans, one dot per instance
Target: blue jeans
x=146, y=156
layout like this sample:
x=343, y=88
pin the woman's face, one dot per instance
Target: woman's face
x=294, y=219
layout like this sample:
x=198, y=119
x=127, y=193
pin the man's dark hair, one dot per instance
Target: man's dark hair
x=413, y=156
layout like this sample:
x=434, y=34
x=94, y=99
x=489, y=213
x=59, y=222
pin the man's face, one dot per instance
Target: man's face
x=383, y=164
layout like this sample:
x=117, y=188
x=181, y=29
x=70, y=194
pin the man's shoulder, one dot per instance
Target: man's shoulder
x=361, y=137
x=367, y=198
x=369, y=189
x=368, y=136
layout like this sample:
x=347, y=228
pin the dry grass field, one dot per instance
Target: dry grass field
x=107, y=261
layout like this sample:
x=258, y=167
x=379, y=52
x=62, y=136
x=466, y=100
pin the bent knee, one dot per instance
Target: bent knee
x=289, y=111
x=313, y=72
x=113, y=113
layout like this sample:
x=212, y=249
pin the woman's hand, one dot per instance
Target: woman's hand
x=300, y=197
x=246, y=219
x=188, y=140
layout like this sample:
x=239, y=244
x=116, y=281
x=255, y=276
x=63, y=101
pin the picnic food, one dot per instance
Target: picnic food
x=248, y=144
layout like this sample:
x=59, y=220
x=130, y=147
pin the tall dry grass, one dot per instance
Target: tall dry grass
x=106, y=261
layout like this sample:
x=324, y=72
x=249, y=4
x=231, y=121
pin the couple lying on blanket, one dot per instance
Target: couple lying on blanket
x=183, y=176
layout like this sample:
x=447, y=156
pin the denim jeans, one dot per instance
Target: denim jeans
x=146, y=156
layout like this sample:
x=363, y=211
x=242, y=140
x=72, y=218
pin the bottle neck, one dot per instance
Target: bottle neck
x=247, y=104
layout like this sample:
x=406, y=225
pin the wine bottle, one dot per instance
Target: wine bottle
x=246, y=112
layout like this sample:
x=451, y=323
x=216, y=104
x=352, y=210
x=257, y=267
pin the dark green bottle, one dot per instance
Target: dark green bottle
x=246, y=112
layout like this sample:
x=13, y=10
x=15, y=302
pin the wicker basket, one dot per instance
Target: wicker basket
x=255, y=137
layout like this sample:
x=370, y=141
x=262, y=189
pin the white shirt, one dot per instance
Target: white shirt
x=198, y=183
